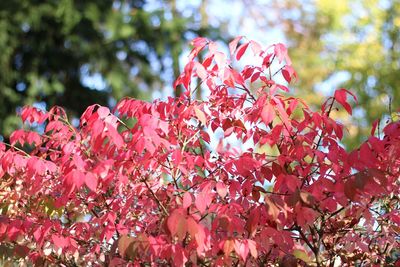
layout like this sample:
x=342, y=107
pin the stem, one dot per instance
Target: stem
x=123, y=123
x=203, y=217
x=269, y=67
x=68, y=124
x=276, y=72
x=156, y=198
x=197, y=88
x=244, y=88
x=16, y=148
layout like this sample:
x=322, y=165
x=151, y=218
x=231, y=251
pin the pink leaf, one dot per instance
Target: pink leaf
x=177, y=223
x=253, y=248
x=200, y=115
x=115, y=136
x=220, y=59
x=242, y=249
x=256, y=47
x=201, y=202
x=78, y=178
x=268, y=113
x=59, y=241
x=103, y=112
x=233, y=44
x=196, y=230
x=199, y=42
x=237, y=77
x=201, y=71
x=91, y=181
x=187, y=200
x=221, y=189
x=281, y=53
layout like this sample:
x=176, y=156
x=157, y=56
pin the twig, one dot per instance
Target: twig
x=156, y=198
x=16, y=148
x=318, y=143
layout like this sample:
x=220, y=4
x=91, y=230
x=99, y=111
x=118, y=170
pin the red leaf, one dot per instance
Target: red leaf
x=374, y=125
x=350, y=190
x=33, y=138
x=178, y=255
x=237, y=77
x=288, y=72
x=32, y=114
x=241, y=50
x=341, y=98
x=207, y=62
x=395, y=218
x=255, y=76
x=267, y=60
x=123, y=243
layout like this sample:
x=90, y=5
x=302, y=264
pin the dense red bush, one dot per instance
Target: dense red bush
x=249, y=177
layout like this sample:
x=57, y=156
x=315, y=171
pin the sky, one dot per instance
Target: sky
x=239, y=19
x=222, y=13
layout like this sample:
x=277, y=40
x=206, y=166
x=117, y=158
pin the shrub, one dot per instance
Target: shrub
x=249, y=176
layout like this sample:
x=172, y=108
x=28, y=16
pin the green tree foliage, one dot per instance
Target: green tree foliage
x=50, y=49
x=359, y=39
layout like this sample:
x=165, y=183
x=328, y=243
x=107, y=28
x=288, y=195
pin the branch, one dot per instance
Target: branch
x=156, y=198
x=311, y=246
x=16, y=148
x=244, y=88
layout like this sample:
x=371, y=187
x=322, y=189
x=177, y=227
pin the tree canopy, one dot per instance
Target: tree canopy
x=76, y=53
x=354, y=44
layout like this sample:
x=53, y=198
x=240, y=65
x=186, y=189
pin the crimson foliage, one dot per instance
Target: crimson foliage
x=248, y=177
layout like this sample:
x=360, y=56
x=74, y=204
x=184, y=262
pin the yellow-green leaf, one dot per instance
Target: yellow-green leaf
x=301, y=255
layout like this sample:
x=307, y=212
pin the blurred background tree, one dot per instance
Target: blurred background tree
x=76, y=53
x=343, y=43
